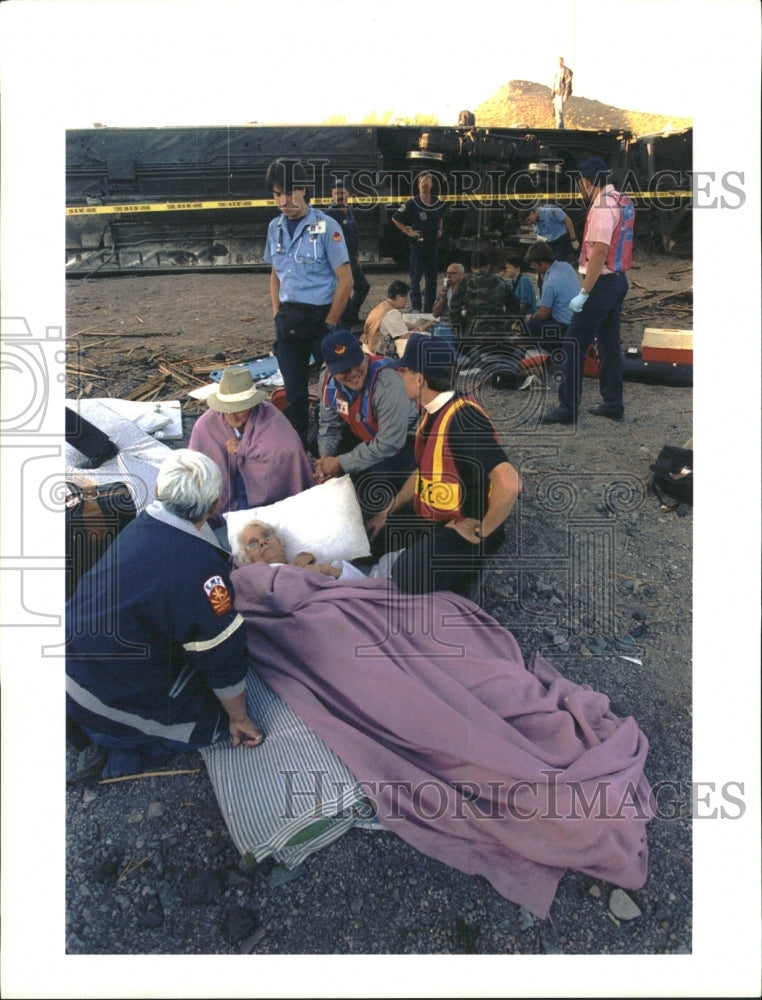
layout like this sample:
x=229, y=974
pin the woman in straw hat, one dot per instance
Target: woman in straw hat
x=257, y=450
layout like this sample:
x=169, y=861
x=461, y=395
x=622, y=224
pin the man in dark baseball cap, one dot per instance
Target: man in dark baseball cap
x=341, y=351
x=455, y=503
x=431, y=357
x=365, y=421
x=604, y=260
x=593, y=167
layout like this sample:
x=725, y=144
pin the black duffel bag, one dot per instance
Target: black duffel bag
x=94, y=517
x=672, y=481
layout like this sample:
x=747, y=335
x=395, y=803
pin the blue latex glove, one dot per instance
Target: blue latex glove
x=578, y=301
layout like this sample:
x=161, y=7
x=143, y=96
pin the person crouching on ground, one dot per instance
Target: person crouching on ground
x=156, y=656
x=463, y=488
x=366, y=422
x=258, y=452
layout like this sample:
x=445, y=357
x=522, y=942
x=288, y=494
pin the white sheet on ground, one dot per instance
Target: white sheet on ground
x=140, y=455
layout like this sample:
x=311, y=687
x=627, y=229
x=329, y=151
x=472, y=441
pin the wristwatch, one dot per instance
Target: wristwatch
x=331, y=327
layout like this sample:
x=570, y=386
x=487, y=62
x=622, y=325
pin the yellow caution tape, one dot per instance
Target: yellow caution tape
x=138, y=208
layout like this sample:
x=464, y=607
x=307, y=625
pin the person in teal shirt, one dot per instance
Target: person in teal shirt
x=521, y=285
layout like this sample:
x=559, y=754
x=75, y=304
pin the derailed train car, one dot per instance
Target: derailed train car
x=169, y=199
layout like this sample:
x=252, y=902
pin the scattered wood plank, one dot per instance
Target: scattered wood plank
x=79, y=373
x=178, y=374
x=126, y=336
x=148, y=389
x=148, y=774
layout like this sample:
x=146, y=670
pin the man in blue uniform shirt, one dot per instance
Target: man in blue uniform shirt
x=559, y=286
x=310, y=282
x=554, y=226
x=341, y=212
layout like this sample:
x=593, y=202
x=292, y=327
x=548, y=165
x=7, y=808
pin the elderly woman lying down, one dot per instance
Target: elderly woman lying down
x=260, y=542
x=490, y=766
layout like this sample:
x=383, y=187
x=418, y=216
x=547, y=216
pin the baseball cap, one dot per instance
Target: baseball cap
x=430, y=356
x=341, y=351
x=592, y=167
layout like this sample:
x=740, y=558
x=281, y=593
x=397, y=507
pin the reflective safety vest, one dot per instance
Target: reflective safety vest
x=357, y=412
x=619, y=257
x=438, y=490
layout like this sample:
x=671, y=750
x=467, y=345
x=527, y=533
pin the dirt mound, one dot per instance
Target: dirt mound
x=520, y=102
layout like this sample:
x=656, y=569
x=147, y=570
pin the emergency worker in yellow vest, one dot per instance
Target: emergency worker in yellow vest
x=450, y=513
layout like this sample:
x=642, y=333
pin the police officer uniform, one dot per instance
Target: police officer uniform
x=304, y=254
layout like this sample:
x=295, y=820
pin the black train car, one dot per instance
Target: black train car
x=168, y=199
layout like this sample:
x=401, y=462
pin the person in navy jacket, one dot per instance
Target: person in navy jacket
x=155, y=654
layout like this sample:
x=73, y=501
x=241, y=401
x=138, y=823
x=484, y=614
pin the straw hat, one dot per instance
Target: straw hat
x=236, y=392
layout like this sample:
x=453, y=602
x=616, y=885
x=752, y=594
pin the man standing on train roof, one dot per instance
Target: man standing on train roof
x=560, y=90
x=605, y=259
x=340, y=211
x=310, y=282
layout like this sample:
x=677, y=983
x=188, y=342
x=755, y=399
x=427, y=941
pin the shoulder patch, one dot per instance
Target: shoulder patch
x=336, y=237
x=218, y=594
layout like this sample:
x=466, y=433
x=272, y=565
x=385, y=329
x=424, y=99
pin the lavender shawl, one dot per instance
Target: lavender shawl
x=271, y=459
x=493, y=768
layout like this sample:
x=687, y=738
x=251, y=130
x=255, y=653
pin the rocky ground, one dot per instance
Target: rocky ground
x=150, y=865
x=521, y=102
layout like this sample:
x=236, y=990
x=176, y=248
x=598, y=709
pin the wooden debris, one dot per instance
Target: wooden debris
x=148, y=390
x=77, y=373
x=147, y=774
x=177, y=373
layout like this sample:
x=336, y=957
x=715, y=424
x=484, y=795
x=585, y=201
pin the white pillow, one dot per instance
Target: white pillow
x=325, y=520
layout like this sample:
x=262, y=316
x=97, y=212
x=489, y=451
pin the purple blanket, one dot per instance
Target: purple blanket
x=493, y=768
x=270, y=456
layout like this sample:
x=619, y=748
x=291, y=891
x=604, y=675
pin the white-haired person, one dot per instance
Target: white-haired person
x=155, y=654
x=260, y=542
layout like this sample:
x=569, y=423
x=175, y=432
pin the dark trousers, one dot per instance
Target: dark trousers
x=562, y=248
x=549, y=332
x=599, y=320
x=359, y=294
x=86, y=437
x=377, y=486
x=424, y=263
x=435, y=557
x=299, y=332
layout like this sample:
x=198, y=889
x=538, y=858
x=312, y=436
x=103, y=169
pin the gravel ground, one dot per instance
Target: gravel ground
x=151, y=869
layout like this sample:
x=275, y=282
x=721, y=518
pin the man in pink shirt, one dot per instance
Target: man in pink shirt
x=605, y=258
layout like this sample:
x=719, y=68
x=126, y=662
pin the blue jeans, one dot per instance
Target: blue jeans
x=424, y=263
x=599, y=321
x=299, y=332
